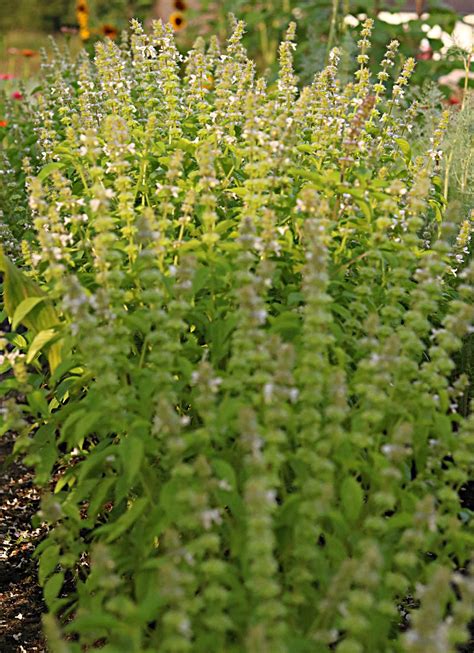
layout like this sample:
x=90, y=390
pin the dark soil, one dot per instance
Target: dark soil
x=21, y=604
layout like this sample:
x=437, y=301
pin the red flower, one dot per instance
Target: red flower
x=454, y=100
x=3, y=123
x=6, y=76
x=16, y=95
x=425, y=55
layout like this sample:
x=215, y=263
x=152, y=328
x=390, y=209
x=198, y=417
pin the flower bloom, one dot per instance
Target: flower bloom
x=177, y=20
x=453, y=99
x=6, y=76
x=110, y=31
x=3, y=123
x=65, y=29
x=25, y=52
x=16, y=95
x=180, y=5
x=82, y=16
x=425, y=54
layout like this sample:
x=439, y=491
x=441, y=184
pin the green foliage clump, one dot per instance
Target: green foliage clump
x=240, y=304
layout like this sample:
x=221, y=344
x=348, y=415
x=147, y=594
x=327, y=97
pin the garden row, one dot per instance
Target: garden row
x=239, y=331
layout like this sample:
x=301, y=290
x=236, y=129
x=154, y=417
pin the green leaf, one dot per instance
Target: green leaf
x=93, y=623
x=47, y=562
x=17, y=287
x=405, y=147
x=225, y=471
x=37, y=402
x=352, y=498
x=24, y=308
x=131, y=451
x=40, y=341
x=53, y=587
x=123, y=523
x=48, y=169
x=84, y=425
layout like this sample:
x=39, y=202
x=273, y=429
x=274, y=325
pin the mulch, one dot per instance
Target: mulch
x=21, y=604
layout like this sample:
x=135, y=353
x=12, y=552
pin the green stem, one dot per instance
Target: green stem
x=332, y=28
x=467, y=68
x=446, y=175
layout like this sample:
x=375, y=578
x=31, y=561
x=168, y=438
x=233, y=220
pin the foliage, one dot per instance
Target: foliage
x=233, y=341
x=322, y=24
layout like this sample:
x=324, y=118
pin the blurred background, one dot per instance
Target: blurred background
x=439, y=34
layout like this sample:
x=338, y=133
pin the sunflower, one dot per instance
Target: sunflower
x=82, y=16
x=110, y=31
x=82, y=7
x=177, y=20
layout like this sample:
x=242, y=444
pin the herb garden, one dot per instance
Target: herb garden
x=237, y=348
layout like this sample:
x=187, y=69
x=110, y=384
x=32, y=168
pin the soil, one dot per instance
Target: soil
x=21, y=604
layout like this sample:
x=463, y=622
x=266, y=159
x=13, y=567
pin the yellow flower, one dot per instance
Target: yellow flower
x=82, y=7
x=177, y=20
x=82, y=16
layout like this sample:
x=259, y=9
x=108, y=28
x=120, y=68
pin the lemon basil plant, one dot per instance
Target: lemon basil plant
x=230, y=359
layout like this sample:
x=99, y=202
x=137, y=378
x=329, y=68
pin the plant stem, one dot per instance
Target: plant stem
x=332, y=29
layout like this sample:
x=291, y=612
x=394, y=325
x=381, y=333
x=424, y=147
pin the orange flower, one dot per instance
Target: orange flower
x=3, y=123
x=82, y=7
x=177, y=20
x=82, y=16
x=28, y=53
x=110, y=31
